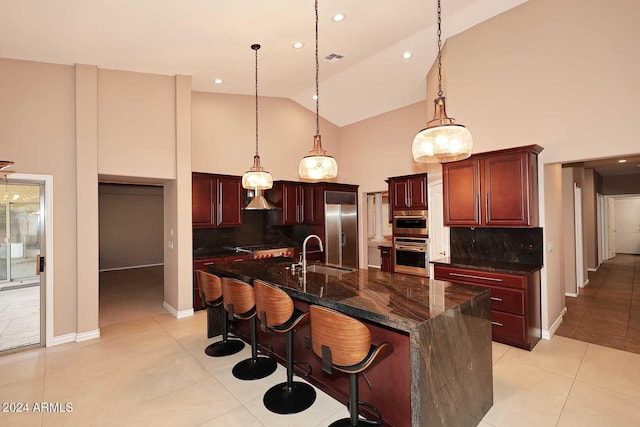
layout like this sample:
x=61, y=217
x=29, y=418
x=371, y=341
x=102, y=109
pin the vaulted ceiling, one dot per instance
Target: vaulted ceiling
x=211, y=39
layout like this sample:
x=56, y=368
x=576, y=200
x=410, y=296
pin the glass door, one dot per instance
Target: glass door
x=21, y=296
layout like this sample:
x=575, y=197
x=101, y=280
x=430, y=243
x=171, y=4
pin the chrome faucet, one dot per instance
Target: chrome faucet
x=304, y=250
x=304, y=257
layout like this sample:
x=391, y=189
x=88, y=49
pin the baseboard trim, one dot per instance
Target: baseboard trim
x=62, y=339
x=571, y=294
x=552, y=331
x=592, y=269
x=89, y=335
x=584, y=285
x=178, y=314
x=130, y=267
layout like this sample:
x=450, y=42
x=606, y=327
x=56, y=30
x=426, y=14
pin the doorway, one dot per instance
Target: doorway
x=131, y=284
x=22, y=292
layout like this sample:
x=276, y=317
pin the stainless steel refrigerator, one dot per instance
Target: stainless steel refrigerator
x=341, y=228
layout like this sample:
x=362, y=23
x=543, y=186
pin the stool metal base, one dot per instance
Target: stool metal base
x=222, y=348
x=346, y=422
x=282, y=399
x=254, y=369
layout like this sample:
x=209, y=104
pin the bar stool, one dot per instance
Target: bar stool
x=277, y=313
x=240, y=304
x=210, y=287
x=344, y=344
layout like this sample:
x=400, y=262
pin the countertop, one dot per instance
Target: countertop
x=498, y=267
x=399, y=301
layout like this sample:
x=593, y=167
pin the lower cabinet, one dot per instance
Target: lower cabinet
x=387, y=259
x=515, y=302
x=202, y=264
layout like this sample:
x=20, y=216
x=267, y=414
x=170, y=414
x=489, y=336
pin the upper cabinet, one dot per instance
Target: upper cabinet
x=297, y=200
x=408, y=192
x=216, y=200
x=493, y=189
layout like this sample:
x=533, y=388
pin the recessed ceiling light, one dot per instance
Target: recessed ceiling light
x=406, y=55
x=218, y=81
x=298, y=45
x=338, y=17
x=622, y=161
x=315, y=97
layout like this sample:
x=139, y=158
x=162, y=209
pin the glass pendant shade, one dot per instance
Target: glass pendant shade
x=442, y=140
x=256, y=177
x=318, y=164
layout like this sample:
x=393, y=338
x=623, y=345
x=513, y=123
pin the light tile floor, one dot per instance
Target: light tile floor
x=152, y=370
x=19, y=317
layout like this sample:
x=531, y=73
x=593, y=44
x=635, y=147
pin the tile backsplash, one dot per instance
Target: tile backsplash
x=509, y=245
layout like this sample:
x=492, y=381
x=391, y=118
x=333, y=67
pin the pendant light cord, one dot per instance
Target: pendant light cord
x=439, y=54
x=256, y=47
x=317, y=73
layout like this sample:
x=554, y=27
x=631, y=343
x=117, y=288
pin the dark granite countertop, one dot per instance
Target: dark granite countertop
x=399, y=301
x=487, y=265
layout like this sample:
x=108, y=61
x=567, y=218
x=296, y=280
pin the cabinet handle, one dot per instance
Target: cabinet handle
x=471, y=276
x=497, y=323
x=209, y=263
x=496, y=299
x=476, y=207
x=486, y=209
x=219, y=213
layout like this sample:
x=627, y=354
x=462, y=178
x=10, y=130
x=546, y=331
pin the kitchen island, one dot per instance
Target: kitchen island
x=440, y=372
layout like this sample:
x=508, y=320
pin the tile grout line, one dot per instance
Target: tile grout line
x=575, y=377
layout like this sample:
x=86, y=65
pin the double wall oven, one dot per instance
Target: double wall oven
x=411, y=242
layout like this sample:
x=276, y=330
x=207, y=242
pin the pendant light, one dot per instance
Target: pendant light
x=443, y=140
x=317, y=164
x=256, y=178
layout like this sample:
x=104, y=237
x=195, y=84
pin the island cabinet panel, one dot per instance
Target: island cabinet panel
x=495, y=189
x=408, y=192
x=515, y=302
x=216, y=200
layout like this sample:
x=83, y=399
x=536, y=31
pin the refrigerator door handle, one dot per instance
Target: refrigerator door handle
x=343, y=239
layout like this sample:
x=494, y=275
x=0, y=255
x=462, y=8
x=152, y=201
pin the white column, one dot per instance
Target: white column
x=379, y=217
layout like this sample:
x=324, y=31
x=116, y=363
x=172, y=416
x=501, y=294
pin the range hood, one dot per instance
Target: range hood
x=259, y=202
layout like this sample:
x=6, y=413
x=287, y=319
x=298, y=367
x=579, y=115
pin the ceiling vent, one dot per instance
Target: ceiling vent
x=333, y=57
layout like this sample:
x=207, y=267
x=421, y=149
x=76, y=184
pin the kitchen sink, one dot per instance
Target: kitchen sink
x=328, y=269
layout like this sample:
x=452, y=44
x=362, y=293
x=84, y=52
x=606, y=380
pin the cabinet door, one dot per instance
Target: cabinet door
x=308, y=204
x=461, y=193
x=291, y=203
x=229, y=202
x=202, y=194
x=505, y=188
x=400, y=194
x=417, y=189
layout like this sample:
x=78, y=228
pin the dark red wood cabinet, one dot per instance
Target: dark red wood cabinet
x=297, y=200
x=515, y=302
x=387, y=259
x=408, y=192
x=494, y=189
x=216, y=200
x=202, y=264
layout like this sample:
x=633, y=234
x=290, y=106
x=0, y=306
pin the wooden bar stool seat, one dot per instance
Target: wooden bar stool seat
x=344, y=345
x=276, y=313
x=210, y=287
x=240, y=304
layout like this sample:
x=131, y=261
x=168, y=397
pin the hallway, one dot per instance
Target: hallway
x=607, y=312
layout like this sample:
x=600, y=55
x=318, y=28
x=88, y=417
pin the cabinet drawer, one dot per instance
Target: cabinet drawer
x=507, y=325
x=477, y=277
x=509, y=300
